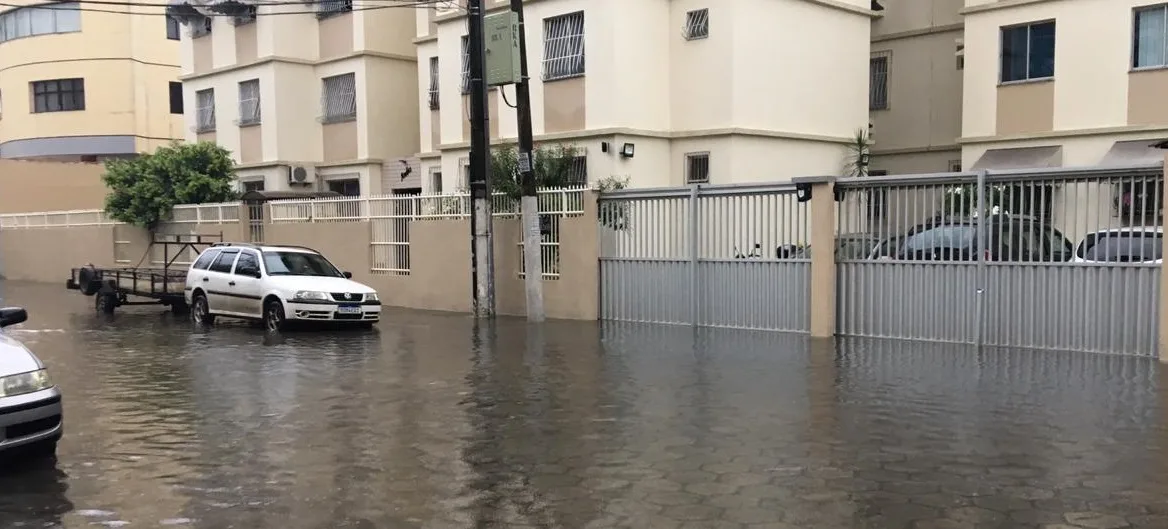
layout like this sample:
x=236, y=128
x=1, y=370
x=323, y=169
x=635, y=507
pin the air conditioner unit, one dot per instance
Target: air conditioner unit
x=299, y=175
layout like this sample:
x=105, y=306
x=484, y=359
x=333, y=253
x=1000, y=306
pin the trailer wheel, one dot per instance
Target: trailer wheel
x=106, y=302
x=87, y=280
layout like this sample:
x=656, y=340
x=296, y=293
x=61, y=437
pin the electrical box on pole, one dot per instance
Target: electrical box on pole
x=503, y=59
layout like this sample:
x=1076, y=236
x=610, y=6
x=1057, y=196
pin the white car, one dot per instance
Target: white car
x=276, y=285
x=1137, y=244
x=30, y=404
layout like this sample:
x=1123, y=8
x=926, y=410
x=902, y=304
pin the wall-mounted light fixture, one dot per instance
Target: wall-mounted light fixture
x=627, y=150
x=864, y=159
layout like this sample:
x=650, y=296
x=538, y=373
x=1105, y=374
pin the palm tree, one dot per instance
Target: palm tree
x=856, y=163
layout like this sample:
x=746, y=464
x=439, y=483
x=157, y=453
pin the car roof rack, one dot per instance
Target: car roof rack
x=259, y=246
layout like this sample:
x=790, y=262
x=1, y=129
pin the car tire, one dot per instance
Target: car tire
x=274, y=316
x=201, y=310
x=105, y=303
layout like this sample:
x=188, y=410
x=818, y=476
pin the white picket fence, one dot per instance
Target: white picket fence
x=390, y=217
x=56, y=219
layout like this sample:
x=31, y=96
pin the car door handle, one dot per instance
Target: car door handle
x=205, y=280
x=231, y=283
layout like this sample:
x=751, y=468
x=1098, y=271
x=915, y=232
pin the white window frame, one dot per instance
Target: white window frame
x=465, y=64
x=338, y=98
x=205, y=113
x=563, y=46
x=33, y=21
x=432, y=95
x=1002, y=50
x=249, y=102
x=1136, y=36
x=878, y=81
x=436, y=180
x=690, y=158
x=697, y=24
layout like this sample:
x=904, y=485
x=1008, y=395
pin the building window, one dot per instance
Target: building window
x=328, y=8
x=58, y=95
x=254, y=185
x=954, y=166
x=1028, y=52
x=201, y=28
x=878, y=81
x=435, y=181
x=1151, y=37
x=465, y=65
x=697, y=24
x=433, y=83
x=960, y=54
x=176, y=98
x=205, y=115
x=563, y=46
x=350, y=187
x=249, y=102
x=64, y=17
x=697, y=168
x=172, y=26
x=340, y=98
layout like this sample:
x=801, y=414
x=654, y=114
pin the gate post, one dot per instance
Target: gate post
x=821, y=221
x=1162, y=329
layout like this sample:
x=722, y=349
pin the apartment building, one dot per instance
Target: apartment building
x=314, y=96
x=1064, y=83
x=915, y=86
x=665, y=92
x=84, y=84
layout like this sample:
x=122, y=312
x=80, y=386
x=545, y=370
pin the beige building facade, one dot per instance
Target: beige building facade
x=1064, y=83
x=317, y=96
x=84, y=84
x=915, y=86
x=664, y=92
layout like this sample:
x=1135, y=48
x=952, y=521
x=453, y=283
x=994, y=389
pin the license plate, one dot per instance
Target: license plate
x=349, y=309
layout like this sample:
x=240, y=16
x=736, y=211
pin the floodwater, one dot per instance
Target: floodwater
x=427, y=422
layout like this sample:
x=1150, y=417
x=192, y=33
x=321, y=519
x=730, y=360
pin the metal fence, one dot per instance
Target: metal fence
x=1060, y=259
x=720, y=256
x=391, y=216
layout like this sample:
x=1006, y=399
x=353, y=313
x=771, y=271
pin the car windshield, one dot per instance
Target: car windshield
x=959, y=237
x=299, y=264
x=1122, y=247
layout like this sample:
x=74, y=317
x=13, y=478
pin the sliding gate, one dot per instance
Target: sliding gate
x=719, y=256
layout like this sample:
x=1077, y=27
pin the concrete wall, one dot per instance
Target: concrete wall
x=27, y=186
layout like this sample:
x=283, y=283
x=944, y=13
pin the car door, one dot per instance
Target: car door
x=245, y=286
x=199, y=269
x=216, y=279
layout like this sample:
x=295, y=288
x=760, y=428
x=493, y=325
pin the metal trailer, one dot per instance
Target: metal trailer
x=114, y=287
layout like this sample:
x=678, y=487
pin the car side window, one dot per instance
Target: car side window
x=224, y=262
x=1059, y=247
x=247, y=265
x=205, y=260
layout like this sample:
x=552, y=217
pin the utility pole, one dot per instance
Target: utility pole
x=482, y=251
x=529, y=203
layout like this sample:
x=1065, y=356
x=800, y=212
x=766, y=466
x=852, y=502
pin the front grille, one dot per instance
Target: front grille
x=354, y=298
x=16, y=431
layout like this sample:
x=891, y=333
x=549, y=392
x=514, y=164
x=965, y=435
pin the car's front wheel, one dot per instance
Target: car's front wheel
x=274, y=316
x=201, y=311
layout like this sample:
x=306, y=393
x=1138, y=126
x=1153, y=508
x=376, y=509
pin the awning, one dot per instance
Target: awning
x=1138, y=152
x=1020, y=158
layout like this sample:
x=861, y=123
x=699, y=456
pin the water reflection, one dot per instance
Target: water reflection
x=436, y=422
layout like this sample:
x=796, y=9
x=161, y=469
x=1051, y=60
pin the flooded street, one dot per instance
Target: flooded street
x=427, y=422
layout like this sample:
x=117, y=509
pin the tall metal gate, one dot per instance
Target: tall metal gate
x=719, y=256
x=1052, y=259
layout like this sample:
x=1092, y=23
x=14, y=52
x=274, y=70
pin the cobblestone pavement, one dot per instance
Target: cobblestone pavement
x=427, y=423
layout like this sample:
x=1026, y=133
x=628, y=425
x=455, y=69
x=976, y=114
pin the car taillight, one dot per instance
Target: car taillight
x=988, y=256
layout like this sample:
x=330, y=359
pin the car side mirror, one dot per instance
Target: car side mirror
x=348, y=275
x=257, y=274
x=12, y=316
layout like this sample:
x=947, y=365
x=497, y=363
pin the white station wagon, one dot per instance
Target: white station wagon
x=276, y=285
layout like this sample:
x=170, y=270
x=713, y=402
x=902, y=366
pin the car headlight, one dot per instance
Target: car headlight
x=310, y=295
x=372, y=296
x=25, y=383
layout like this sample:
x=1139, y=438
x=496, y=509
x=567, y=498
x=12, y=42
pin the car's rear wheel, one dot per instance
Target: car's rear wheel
x=274, y=316
x=106, y=302
x=201, y=311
